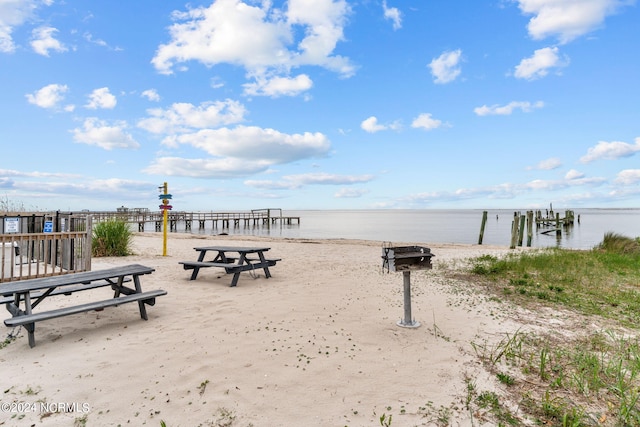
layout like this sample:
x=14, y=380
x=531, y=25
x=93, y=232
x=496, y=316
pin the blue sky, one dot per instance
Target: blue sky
x=320, y=104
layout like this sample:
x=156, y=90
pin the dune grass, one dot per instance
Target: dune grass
x=604, y=281
x=582, y=374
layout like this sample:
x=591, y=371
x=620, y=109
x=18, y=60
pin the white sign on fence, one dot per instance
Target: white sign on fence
x=12, y=225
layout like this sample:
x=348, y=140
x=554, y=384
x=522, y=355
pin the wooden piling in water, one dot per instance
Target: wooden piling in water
x=482, y=225
x=521, y=230
x=529, y=228
x=514, y=231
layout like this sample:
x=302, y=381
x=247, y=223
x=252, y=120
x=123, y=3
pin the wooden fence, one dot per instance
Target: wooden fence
x=41, y=254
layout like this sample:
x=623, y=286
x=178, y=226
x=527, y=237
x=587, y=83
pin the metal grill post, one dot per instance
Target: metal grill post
x=407, y=322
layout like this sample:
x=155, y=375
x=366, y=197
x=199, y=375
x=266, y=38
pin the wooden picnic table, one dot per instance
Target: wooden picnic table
x=23, y=296
x=233, y=259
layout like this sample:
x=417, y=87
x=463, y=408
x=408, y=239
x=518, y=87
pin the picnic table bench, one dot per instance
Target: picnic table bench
x=234, y=260
x=22, y=297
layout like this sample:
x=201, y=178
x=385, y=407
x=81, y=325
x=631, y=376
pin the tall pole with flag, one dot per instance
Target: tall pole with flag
x=165, y=207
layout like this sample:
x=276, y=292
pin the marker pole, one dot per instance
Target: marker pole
x=165, y=213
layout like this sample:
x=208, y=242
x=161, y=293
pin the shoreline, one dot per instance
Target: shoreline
x=320, y=240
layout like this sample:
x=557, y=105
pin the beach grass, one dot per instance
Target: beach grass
x=585, y=372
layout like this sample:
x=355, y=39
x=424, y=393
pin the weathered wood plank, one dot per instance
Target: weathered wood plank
x=96, y=305
x=67, y=290
x=74, y=278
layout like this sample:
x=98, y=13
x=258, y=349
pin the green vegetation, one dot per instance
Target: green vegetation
x=7, y=341
x=385, y=421
x=604, y=281
x=578, y=374
x=616, y=243
x=203, y=387
x=111, y=238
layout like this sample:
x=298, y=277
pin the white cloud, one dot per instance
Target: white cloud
x=547, y=164
x=16, y=173
x=445, y=68
x=205, y=168
x=184, y=117
x=573, y=174
x=235, y=167
x=567, y=19
x=265, y=41
x=393, y=14
x=89, y=37
x=233, y=152
x=323, y=22
x=350, y=193
x=573, y=179
x=425, y=121
x=279, y=86
x=371, y=125
x=49, y=96
x=538, y=65
x=101, y=98
x=540, y=184
x=13, y=14
x=552, y=185
x=296, y=181
x=253, y=143
x=99, y=133
x=526, y=107
x=610, y=151
x=43, y=41
x=81, y=188
x=272, y=185
x=217, y=82
x=626, y=193
x=329, y=179
x=120, y=186
x=151, y=95
x=628, y=177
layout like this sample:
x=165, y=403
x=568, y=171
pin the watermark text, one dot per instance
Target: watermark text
x=44, y=407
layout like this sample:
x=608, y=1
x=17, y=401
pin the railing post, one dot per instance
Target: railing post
x=89, y=243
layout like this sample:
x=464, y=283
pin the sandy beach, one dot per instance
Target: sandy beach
x=316, y=344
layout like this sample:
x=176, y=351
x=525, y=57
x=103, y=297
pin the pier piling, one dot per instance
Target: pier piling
x=482, y=225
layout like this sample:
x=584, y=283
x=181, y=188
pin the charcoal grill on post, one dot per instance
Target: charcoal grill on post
x=406, y=259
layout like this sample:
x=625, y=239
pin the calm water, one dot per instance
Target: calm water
x=442, y=226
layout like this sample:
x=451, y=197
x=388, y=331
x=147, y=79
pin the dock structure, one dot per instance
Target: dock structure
x=554, y=220
x=226, y=220
x=549, y=223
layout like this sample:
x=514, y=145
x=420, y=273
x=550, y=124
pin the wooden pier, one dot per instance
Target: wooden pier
x=226, y=220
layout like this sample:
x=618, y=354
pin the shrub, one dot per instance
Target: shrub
x=111, y=238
